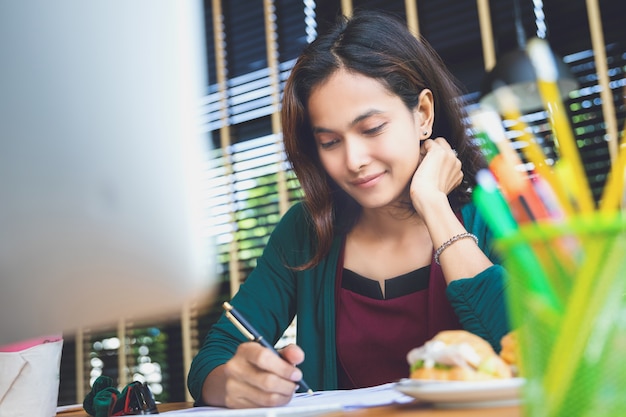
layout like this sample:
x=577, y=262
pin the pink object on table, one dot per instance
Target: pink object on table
x=25, y=344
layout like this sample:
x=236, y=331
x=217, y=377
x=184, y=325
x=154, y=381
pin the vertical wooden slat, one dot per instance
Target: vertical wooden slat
x=185, y=329
x=346, y=7
x=269, y=14
x=602, y=70
x=122, y=364
x=486, y=34
x=80, y=366
x=219, y=37
x=412, y=21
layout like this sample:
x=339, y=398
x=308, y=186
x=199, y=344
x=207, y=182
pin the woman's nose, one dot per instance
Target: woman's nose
x=357, y=154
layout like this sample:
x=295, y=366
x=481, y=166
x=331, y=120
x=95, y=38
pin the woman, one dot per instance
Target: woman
x=374, y=130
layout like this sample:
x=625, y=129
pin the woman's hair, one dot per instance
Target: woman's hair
x=381, y=47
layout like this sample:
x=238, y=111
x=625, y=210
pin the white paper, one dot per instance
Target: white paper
x=304, y=405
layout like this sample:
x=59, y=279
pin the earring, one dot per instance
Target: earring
x=425, y=133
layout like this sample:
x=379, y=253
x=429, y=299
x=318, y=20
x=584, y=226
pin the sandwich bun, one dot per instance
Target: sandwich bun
x=457, y=355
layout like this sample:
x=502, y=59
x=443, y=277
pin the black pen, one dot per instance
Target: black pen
x=251, y=334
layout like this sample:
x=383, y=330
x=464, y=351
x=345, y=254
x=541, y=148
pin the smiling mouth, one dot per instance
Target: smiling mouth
x=366, y=181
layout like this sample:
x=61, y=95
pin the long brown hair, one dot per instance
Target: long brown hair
x=381, y=47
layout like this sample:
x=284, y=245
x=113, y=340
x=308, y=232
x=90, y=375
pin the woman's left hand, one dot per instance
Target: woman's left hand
x=439, y=171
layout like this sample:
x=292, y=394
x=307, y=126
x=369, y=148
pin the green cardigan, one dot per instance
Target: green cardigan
x=273, y=294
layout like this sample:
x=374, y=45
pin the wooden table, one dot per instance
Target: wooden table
x=405, y=410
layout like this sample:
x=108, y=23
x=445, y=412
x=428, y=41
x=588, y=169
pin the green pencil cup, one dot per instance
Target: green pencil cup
x=567, y=301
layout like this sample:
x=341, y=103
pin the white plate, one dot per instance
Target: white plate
x=464, y=394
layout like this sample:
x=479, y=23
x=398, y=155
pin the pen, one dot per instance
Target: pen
x=502, y=161
x=497, y=214
x=492, y=205
x=251, y=334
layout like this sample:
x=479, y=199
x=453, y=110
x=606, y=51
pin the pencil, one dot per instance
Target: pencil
x=614, y=188
x=532, y=151
x=503, y=161
x=545, y=67
x=253, y=335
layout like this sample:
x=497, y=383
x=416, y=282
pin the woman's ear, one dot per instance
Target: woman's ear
x=424, y=114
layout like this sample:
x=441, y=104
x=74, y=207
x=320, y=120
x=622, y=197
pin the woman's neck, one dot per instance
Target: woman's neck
x=385, y=244
x=388, y=222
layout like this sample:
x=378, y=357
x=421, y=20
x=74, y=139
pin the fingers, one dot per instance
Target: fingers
x=441, y=160
x=431, y=144
x=438, y=173
x=239, y=394
x=292, y=354
x=257, y=377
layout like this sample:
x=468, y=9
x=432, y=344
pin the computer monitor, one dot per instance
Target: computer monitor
x=103, y=211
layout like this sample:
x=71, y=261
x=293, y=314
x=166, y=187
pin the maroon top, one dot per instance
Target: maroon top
x=374, y=334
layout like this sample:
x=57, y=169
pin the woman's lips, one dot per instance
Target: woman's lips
x=367, y=181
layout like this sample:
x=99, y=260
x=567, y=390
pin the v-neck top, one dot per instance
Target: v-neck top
x=374, y=333
x=394, y=287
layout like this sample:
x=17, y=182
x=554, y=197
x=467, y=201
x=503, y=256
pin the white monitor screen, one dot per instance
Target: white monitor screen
x=102, y=163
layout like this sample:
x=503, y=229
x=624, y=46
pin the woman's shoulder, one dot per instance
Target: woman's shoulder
x=297, y=211
x=292, y=240
x=296, y=222
x=296, y=216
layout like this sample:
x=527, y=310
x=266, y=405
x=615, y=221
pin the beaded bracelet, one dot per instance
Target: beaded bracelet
x=451, y=241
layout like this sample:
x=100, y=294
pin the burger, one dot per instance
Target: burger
x=457, y=355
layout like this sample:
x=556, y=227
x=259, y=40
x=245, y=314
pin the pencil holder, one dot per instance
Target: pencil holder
x=566, y=296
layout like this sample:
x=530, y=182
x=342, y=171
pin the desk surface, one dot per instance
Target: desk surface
x=404, y=410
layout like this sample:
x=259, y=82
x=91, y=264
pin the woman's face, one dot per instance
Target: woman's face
x=367, y=139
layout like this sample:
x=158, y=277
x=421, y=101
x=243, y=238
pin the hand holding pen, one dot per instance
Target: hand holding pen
x=253, y=335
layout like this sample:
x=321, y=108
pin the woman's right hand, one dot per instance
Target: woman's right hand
x=438, y=173
x=255, y=377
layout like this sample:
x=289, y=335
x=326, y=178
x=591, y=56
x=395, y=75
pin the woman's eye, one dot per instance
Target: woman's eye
x=374, y=130
x=329, y=143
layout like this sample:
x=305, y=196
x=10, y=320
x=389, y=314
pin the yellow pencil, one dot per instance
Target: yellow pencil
x=507, y=102
x=613, y=191
x=545, y=68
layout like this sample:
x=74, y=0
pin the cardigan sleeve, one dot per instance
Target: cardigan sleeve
x=480, y=301
x=266, y=299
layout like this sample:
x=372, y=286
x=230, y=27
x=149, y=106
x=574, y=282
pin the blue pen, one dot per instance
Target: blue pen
x=254, y=336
